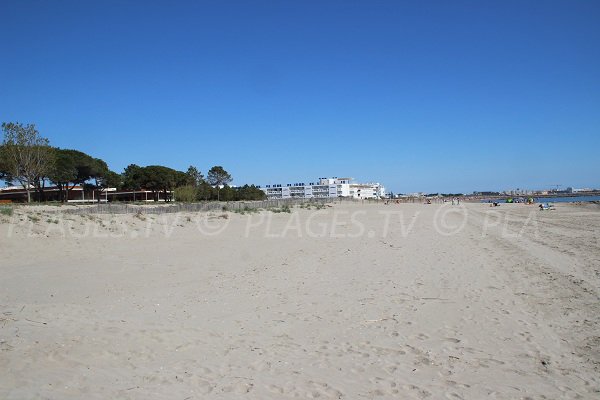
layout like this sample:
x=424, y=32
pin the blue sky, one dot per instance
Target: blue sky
x=423, y=96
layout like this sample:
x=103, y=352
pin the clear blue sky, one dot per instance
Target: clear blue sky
x=423, y=96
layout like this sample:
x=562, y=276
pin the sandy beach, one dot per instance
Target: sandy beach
x=354, y=301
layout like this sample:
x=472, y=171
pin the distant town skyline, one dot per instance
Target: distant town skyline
x=423, y=97
x=509, y=191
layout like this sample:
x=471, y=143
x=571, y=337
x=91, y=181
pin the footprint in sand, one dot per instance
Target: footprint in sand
x=453, y=340
x=275, y=389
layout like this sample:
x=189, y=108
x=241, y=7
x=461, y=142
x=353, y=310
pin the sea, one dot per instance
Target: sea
x=574, y=199
x=570, y=199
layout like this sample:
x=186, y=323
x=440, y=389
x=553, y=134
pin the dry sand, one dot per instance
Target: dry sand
x=352, y=302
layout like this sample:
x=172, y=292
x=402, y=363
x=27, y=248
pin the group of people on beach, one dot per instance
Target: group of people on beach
x=455, y=201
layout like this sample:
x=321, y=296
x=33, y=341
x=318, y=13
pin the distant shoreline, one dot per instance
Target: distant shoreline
x=562, y=198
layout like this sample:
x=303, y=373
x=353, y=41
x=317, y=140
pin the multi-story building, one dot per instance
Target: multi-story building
x=325, y=187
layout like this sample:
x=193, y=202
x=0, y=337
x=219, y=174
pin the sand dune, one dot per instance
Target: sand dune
x=357, y=301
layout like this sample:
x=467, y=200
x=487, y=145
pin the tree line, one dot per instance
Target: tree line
x=27, y=159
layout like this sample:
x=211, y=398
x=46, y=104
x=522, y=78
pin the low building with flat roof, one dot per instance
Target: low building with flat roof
x=80, y=194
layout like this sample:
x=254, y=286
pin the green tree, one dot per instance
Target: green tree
x=4, y=174
x=133, y=178
x=218, y=177
x=71, y=168
x=27, y=156
x=63, y=171
x=205, y=191
x=194, y=176
x=186, y=194
x=227, y=193
x=158, y=178
x=250, y=192
x=104, y=178
x=180, y=179
x=155, y=178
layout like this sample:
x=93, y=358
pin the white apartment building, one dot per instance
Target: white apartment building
x=325, y=187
